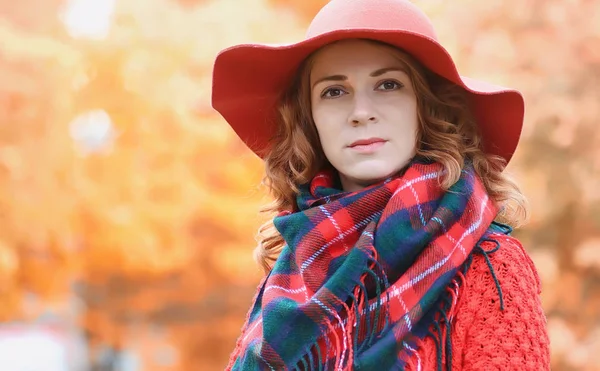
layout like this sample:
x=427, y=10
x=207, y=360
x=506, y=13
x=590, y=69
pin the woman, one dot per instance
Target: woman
x=388, y=251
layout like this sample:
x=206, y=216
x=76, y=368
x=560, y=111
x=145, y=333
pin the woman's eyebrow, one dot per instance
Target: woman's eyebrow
x=375, y=73
x=330, y=78
x=381, y=71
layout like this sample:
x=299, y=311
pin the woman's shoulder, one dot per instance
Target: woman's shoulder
x=499, y=313
x=501, y=278
x=503, y=257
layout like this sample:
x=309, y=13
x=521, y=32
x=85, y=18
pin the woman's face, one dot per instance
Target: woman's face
x=365, y=111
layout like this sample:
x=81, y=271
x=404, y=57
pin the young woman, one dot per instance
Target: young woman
x=391, y=246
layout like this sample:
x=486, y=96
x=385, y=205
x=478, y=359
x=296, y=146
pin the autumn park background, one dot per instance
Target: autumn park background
x=128, y=207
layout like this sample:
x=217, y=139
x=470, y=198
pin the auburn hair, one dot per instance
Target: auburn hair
x=447, y=134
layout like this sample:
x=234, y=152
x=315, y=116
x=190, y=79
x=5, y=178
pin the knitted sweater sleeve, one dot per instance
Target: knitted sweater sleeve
x=511, y=339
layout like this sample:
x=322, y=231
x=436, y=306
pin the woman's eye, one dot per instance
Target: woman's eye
x=332, y=93
x=390, y=85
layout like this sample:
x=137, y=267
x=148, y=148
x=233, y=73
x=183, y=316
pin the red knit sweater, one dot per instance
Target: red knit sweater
x=486, y=338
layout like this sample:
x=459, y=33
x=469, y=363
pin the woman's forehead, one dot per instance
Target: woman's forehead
x=347, y=55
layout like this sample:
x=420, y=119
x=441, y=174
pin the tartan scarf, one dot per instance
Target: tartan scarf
x=365, y=275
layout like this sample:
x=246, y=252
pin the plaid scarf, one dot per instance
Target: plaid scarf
x=363, y=275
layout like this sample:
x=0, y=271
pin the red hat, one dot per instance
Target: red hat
x=248, y=79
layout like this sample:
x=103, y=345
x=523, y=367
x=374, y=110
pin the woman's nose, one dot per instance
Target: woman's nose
x=363, y=111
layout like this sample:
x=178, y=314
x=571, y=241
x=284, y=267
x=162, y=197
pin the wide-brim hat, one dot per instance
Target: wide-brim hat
x=248, y=79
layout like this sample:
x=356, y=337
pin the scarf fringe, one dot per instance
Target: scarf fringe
x=353, y=324
x=343, y=345
x=441, y=328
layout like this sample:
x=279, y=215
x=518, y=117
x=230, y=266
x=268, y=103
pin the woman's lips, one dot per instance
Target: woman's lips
x=367, y=145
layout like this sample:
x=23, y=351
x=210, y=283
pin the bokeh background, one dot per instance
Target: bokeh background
x=128, y=207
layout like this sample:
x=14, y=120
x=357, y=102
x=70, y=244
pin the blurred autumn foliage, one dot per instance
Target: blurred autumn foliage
x=141, y=235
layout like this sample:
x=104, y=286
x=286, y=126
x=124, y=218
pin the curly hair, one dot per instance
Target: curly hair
x=447, y=134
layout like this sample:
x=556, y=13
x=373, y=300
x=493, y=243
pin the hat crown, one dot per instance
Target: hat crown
x=399, y=15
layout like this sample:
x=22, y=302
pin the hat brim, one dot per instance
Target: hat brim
x=249, y=78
